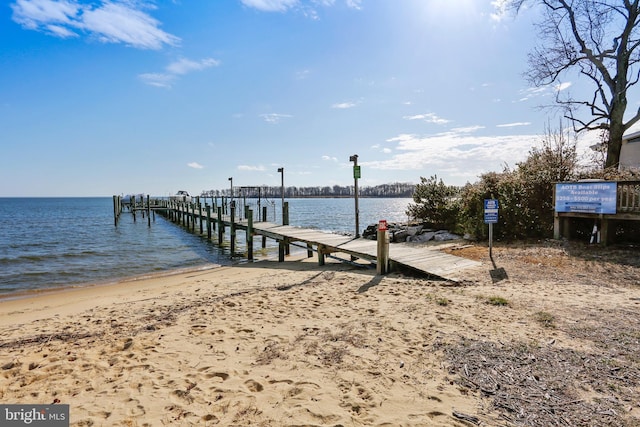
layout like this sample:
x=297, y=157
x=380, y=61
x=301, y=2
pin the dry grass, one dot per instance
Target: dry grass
x=591, y=380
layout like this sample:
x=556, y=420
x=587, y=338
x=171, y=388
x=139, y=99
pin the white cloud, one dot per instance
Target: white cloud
x=109, y=22
x=500, y=10
x=562, y=86
x=184, y=66
x=429, y=118
x=381, y=149
x=259, y=168
x=60, y=31
x=157, y=79
x=175, y=69
x=344, y=105
x=274, y=118
x=534, y=92
x=543, y=91
x=329, y=158
x=308, y=7
x=302, y=75
x=271, y=5
x=35, y=13
x=195, y=165
x=466, y=129
x=457, y=154
x=354, y=4
x=515, y=124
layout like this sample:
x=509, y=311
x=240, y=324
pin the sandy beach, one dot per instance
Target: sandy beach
x=554, y=342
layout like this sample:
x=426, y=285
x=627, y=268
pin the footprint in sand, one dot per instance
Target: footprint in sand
x=254, y=386
x=223, y=376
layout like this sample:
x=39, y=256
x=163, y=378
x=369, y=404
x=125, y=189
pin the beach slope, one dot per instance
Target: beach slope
x=295, y=344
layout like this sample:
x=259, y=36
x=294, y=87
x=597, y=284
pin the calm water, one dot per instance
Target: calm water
x=55, y=242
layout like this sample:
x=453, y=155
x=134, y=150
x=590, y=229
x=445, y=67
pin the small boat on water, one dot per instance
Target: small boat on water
x=181, y=196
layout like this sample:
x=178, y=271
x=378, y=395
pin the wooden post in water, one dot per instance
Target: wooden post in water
x=176, y=213
x=215, y=210
x=200, y=216
x=233, y=228
x=193, y=216
x=264, y=219
x=208, y=221
x=249, y=234
x=220, y=226
x=285, y=221
x=148, y=211
x=115, y=210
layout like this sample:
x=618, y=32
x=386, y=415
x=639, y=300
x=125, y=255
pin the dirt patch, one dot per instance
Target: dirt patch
x=582, y=366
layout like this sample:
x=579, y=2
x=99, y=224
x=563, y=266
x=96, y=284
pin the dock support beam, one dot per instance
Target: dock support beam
x=285, y=221
x=264, y=219
x=116, y=212
x=321, y=250
x=208, y=222
x=233, y=227
x=249, y=234
x=220, y=226
x=282, y=249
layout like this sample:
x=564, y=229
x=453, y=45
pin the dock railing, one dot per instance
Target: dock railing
x=628, y=197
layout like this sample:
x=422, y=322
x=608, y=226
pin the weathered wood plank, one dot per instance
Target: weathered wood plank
x=421, y=258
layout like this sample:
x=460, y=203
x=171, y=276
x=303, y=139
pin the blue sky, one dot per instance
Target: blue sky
x=111, y=97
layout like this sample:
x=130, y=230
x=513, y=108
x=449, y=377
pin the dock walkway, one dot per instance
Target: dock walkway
x=421, y=258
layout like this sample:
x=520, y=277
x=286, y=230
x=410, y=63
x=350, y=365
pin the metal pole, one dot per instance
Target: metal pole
x=281, y=170
x=491, y=241
x=354, y=159
x=230, y=194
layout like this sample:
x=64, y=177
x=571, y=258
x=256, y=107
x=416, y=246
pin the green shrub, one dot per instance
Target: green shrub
x=524, y=194
x=435, y=203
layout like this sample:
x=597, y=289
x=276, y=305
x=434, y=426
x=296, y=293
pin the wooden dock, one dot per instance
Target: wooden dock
x=207, y=220
x=423, y=259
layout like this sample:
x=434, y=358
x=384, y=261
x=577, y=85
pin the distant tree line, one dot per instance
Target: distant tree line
x=398, y=189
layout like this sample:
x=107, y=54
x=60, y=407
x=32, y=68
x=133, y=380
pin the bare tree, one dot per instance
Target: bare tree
x=600, y=39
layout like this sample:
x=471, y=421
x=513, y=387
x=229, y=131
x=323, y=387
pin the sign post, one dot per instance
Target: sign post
x=490, y=217
x=356, y=176
x=383, y=247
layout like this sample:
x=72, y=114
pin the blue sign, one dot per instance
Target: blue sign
x=490, y=211
x=587, y=197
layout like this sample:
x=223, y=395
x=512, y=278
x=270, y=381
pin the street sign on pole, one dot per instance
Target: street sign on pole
x=490, y=217
x=490, y=211
x=356, y=172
